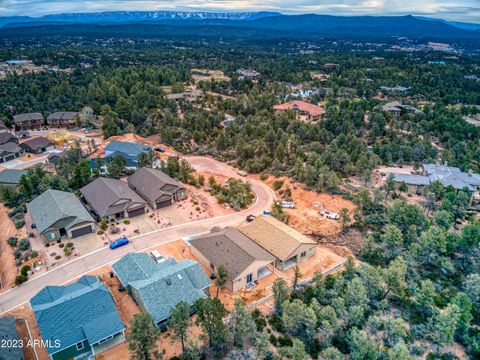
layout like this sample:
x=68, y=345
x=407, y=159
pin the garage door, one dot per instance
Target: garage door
x=9, y=157
x=136, y=212
x=162, y=204
x=82, y=231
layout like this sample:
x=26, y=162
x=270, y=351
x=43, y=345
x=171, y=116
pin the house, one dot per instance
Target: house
x=248, y=74
x=10, y=151
x=37, y=145
x=447, y=176
x=79, y=320
x=111, y=199
x=54, y=157
x=158, y=287
x=28, y=121
x=11, y=177
x=396, y=108
x=189, y=95
x=23, y=134
x=156, y=188
x=395, y=89
x=125, y=149
x=62, y=119
x=9, y=337
x=8, y=137
x=245, y=260
x=287, y=245
x=305, y=110
x=59, y=214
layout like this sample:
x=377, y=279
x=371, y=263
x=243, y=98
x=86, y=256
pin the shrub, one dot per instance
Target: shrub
x=99, y=232
x=25, y=270
x=58, y=257
x=20, y=279
x=263, y=177
x=61, y=246
x=33, y=254
x=18, y=263
x=277, y=185
x=31, y=234
x=19, y=224
x=126, y=222
x=47, y=244
x=276, y=322
x=12, y=241
x=283, y=341
x=17, y=254
x=59, y=241
x=24, y=244
x=273, y=340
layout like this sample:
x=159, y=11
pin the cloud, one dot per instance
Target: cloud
x=459, y=10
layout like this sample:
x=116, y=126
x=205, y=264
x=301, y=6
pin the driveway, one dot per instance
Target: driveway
x=85, y=264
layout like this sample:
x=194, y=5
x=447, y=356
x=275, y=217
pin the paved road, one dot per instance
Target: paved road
x=75, y=268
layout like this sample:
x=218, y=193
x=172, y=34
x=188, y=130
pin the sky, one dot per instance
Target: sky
x=456, y=10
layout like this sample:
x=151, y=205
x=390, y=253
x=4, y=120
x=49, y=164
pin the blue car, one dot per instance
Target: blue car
x=119, y=242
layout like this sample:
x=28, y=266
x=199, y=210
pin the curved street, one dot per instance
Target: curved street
x=86, y=263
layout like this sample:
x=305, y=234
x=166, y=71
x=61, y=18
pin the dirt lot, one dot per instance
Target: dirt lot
x=8, y=270
x=306, y=217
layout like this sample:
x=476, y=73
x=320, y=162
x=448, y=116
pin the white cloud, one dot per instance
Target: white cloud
x=459, y=10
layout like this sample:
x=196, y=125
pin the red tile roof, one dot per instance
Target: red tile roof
x=312, y=110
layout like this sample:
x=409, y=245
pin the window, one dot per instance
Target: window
x=80, y=345
x=303, y=254
x=249, y=278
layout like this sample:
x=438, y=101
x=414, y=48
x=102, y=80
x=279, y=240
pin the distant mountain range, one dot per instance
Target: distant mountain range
x=117, y=17
x=244, y=25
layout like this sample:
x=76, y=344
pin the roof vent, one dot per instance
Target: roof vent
x=179, y=276
x=169, y=282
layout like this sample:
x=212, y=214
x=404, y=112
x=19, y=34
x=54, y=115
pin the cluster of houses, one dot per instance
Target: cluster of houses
x=35, y=120
x=304, y=110
x=11, y=148
x=59, y=214
x=446, y=175
x=81, y=319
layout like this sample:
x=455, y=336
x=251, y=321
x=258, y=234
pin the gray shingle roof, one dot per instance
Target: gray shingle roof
x=229, y=247
x=73, y=313
x=453, y=176
x=2, y=125
x=411, y=179
x=37, y=143
x=8, y=331
x=62, y=115
x=154, y=184
x=6, y=137
x=11, y=176
x=103, y=194
x=56, y=209
x=162, y=286
x=21, y=118
x=10, y=147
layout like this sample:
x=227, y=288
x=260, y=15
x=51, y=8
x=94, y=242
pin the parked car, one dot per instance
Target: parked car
x=330, y=215
x=286, y=204
x=266, y=212
x=159, y=149
x=241, y=173
x=119, y=242
x=250, y=218
x=155, y=255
